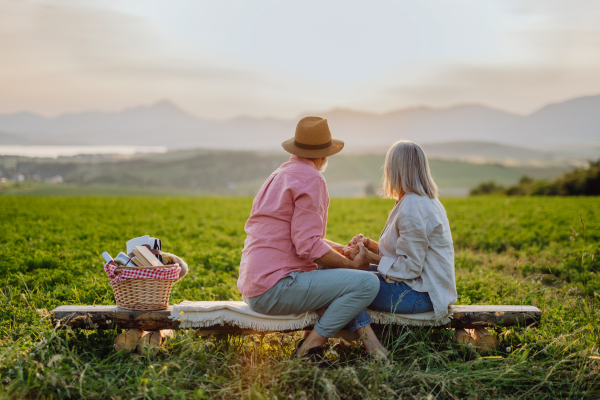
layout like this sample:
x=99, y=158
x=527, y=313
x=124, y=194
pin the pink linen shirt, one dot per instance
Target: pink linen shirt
x=286, y=227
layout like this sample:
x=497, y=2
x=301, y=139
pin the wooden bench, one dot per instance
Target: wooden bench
x=469, y=322
x=105, y=317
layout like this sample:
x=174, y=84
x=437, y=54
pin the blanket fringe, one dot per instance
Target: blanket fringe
x=215, y=318
x=243, y=322
x=396, y=319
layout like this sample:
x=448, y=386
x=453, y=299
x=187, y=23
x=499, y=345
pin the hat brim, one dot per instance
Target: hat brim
x=336, y=146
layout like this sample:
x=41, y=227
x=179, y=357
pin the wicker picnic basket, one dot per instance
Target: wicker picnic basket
x=144, y=294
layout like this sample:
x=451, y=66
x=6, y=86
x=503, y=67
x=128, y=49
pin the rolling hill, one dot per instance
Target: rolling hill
x=239, y=173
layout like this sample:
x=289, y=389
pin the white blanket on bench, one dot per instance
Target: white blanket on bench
x=204, y=314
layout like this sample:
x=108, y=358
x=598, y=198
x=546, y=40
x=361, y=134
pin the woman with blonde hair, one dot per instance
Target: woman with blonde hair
x=414, y=258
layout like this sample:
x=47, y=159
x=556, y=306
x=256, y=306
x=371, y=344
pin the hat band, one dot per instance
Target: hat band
x=312, y=146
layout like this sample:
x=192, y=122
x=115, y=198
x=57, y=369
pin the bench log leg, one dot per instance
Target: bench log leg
x=128, y=340
x=463, y=337
x=153, y=342
x=484, y=340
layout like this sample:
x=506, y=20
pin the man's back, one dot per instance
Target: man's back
x=286, y=227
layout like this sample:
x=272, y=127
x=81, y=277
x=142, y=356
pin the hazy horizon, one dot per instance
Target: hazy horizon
x=300, y=114
x=221, y=60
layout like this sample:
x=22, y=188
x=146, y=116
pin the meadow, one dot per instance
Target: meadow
x=534, y=251
x=229, y=173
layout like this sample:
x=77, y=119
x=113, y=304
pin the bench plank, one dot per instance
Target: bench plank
x=104, y=317
x=481, y=316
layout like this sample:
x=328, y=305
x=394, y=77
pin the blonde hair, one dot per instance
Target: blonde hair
x=406, y=171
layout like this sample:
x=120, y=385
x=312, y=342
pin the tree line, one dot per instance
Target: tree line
x=579, y=182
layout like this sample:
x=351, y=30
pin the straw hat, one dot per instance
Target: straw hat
x=313, y=139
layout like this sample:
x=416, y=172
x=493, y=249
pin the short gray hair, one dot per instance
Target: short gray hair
x=406, y=171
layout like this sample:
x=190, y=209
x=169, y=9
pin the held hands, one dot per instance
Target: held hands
x=350, y=249
x=356, y=239
x=359, y=259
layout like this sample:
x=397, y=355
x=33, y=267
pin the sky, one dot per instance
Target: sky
x=220, y=59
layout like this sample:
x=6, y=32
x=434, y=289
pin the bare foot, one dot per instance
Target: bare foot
x=312, y=340
x=372, y=345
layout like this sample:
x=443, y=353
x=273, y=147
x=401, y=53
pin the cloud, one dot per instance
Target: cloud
x=74, y=36
x=512, y=88
x=100, y=41
x=222, y=61
x=55, y=56
x=552, y=54
x=560, y=32
x=171, y=71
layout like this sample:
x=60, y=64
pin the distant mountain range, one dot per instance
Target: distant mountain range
x=571, y=123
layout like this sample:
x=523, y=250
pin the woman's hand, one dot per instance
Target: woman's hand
x=354, y=241
x=371, y=245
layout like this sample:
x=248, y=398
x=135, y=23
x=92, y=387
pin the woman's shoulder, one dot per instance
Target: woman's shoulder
x=413, y=204
x=413, y=200
x=421, y=211
x=410, y=208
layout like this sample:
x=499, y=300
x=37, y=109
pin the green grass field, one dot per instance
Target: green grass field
x=531, y=251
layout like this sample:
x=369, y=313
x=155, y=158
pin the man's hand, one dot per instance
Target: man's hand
x=351, y=251
x=360, y=260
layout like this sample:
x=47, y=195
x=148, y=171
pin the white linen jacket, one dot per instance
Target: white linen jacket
x=417, y=249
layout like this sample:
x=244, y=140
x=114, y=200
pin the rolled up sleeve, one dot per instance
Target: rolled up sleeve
x=411, y=249
x=309, y=220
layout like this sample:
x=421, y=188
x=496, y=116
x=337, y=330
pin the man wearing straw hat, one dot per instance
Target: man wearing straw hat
x=286, y=239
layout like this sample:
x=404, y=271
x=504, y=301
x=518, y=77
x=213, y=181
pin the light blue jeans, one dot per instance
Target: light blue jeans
x=344, y=292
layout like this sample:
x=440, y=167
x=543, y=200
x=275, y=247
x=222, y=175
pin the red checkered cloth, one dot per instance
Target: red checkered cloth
x=134, y=273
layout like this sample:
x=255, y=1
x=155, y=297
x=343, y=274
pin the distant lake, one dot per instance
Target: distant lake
x=68, y=151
